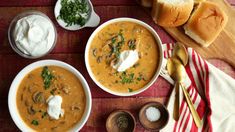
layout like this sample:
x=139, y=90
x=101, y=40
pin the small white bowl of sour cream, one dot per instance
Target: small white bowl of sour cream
x=32, y=34
x=91, y=18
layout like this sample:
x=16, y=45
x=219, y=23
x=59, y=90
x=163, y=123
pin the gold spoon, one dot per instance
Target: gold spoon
x=181, y=53
x=177, y=71
x=171, y=62
x=180, y=75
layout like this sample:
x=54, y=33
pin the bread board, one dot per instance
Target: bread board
x=223, y=47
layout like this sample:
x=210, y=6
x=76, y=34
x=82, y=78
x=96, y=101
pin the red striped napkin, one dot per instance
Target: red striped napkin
x=212, y=93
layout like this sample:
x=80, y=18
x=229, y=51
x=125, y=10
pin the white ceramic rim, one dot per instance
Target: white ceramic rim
x=159, y=43
x=14, y=87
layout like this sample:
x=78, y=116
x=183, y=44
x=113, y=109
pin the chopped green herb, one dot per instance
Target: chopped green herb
x=74, y=12
x=53, y=91
x=47, y=77
x=127, y=78
x=122, y=37
x=130, y=90
x=113, y=40
x=117, y=53
x=132, y=47
x=132, y=75
x=35, y=122
x=132, y=44
x=116, y=44
x=44, y=114
x=139, y=78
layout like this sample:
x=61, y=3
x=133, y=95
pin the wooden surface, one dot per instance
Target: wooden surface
x=70, y=48
x=223, y=47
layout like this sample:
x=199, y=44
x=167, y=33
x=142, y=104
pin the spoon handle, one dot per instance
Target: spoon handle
x=194, y=113
x=176, y=112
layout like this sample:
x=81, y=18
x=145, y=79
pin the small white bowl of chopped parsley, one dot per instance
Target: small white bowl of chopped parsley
x=75, y=14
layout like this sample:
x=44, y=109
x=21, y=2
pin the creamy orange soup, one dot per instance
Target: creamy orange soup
x=105, y=51
x=34, y=91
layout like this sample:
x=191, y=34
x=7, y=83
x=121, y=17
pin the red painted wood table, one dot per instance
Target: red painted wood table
x=70, y=48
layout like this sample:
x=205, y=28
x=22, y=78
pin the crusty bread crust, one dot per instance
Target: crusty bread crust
x=206, y=23
x=171, y=15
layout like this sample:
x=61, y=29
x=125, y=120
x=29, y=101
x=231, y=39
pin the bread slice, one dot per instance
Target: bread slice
x=171, y=13
x=206, y=23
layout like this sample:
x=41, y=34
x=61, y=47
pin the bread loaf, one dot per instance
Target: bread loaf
x=206, y=22
x=171, y=13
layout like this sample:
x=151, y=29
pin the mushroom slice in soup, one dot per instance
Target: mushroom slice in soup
x=31, y=110
x=38, y=97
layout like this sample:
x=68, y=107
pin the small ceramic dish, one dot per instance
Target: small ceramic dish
x=155, y=125
x=92, y=21
x=12, y=27
x=120, y=121
x=12, y=105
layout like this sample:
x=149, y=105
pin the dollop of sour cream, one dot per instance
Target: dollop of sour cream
x=54, y=109
x=34, y=35
x=127, y=59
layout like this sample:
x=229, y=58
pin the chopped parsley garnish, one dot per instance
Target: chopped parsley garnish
x=127, y=78
x=130, y=90
x=44, y=114
x=139, y=78
x=113, y=40
x=47, y=77
x=74, y=12
x=116, y=44
x=122, y=37
x=53, y=91
x=132, y=44
x=35, y=122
